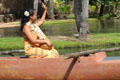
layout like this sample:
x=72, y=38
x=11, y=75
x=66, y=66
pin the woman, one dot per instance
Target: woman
x=36, y=43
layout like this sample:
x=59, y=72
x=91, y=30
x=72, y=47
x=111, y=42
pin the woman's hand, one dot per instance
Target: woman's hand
x=49, y=45
x=40, y=22
x=44, y=6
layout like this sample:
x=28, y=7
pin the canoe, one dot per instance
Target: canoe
x=93, y=67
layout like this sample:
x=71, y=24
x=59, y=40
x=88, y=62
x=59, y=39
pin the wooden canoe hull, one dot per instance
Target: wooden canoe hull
x=84, y=68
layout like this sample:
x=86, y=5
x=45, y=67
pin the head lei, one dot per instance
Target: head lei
x=26, y=13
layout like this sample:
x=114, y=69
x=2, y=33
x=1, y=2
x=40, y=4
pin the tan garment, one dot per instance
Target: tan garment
x=34, y=51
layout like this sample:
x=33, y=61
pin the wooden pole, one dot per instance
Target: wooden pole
x=11, y=52
x=88, y=52
x=68, y=56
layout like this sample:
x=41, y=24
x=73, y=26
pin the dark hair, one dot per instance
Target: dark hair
x=25, y=19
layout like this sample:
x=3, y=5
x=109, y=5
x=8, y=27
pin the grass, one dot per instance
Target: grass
x=48, y=22
x=65, y=44
x=58, y=21
x=94, y=41
x=10, y=43
x=105, y=38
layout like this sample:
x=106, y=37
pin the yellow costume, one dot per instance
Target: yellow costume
x=32, y=50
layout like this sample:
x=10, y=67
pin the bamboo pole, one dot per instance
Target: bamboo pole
x=73, y=55
x=88, y=52
x=11, y=52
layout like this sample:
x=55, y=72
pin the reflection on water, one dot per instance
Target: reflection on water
x=104, y=26
x=10, y=32
x=68, y=29
x=114, y=53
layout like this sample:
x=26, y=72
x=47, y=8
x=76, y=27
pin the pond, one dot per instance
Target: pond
x=69, y=29
x=104, y=26
x=66, y=29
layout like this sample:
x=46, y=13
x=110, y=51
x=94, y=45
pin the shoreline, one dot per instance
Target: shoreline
x=10, y=24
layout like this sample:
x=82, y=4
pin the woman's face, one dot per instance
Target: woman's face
x=33, y=18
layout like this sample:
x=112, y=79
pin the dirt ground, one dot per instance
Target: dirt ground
x=65, y=38
x=10, y=24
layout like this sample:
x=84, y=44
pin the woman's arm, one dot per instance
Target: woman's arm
x=43, y=16
x=27, y=31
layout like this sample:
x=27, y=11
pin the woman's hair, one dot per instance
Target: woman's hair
x=26, y=17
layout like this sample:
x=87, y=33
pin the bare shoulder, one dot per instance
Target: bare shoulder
x=26, y=28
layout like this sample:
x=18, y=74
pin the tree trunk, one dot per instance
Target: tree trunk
x=114, y=7
x=101, y=10
x=51, y=10
x=81, y=16
x=36, y=5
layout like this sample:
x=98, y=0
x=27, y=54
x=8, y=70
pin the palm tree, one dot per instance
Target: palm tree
x=36, y=5
x=81, y=16
x=51, y=10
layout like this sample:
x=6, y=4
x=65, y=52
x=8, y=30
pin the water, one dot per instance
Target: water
x=104, y=26
x=114, y=53
x=10, y=32
x=69, y=29
x=66, y=29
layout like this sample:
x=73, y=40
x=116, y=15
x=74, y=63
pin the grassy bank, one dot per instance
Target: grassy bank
x=94, y=41
x=47, y=22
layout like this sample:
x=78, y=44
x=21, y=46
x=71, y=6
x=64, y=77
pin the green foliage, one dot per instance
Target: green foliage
x=92, y=2
x=105, y=16
x=92, y=8
x=61, y=7
x=111, y=6
x=65, y=9
x=107, y=2
x=71, y=16
x=103, y=2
